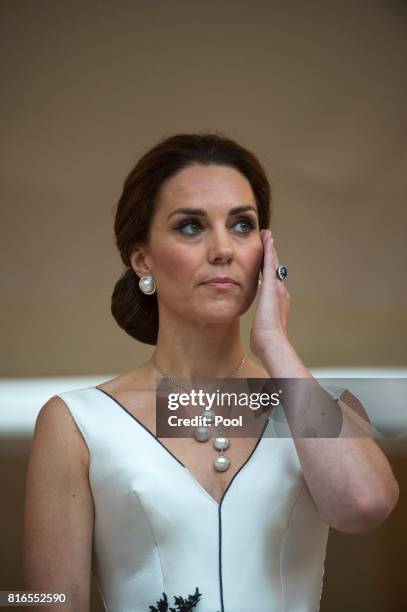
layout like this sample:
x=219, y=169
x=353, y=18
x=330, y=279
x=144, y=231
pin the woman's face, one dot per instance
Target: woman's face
x=188, y=248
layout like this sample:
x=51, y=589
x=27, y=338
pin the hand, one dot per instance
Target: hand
x=271, y=317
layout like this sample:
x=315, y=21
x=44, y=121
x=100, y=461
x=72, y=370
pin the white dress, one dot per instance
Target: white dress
x=157, y=530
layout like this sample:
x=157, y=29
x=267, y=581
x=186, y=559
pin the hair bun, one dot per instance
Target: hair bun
x=133, y=310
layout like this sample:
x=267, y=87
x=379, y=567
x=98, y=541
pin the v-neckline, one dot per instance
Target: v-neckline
x=186, y=470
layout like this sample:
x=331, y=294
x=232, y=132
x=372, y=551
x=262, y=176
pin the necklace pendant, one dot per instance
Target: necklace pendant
x=209, y=415
x=221, y=463
x=221, y=443
x=201, y=434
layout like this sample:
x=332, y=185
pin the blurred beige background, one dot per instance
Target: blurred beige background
x=318, y=90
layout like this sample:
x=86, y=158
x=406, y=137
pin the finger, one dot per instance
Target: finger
x=276, y=260
x=269, y=255
x=276, y=263
x=280, y=284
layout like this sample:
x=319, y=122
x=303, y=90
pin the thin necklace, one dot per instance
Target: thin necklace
x=202, y=433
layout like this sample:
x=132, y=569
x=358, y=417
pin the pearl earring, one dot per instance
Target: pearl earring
x=147, y=284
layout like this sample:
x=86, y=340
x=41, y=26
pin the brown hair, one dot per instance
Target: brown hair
x=134, y=311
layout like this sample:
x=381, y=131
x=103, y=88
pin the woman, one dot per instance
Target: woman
x=236, y=525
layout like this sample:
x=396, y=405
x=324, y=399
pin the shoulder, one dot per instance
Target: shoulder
x=56, y=430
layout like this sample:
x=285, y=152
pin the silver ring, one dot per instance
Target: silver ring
x=282, y=273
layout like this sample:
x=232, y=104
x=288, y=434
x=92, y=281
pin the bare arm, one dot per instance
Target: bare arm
x=58, y=511
x=349, y=478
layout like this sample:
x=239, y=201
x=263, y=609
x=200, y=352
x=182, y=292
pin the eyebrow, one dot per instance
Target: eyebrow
x=202, y=213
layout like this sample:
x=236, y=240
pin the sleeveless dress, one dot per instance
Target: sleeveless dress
x=157, y=530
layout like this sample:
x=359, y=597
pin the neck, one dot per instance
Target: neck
x=193, y=351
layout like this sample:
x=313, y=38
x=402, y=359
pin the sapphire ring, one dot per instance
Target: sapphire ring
x=282, y=273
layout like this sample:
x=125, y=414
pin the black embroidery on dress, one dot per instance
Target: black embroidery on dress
x=182, y=605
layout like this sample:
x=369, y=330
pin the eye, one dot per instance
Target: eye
x=193, y=222
x=249, y=222
x=190, y=222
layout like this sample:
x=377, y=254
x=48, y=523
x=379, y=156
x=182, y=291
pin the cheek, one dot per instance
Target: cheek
x=175, y=262
x=253, y=259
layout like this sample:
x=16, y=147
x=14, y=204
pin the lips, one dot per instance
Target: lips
x=221, y=281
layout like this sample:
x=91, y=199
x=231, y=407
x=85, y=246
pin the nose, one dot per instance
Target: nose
x=220, y=247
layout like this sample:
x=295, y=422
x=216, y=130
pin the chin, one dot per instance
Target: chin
x=219, y=313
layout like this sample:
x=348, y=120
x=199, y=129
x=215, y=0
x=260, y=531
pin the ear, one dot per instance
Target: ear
x=140, y=261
